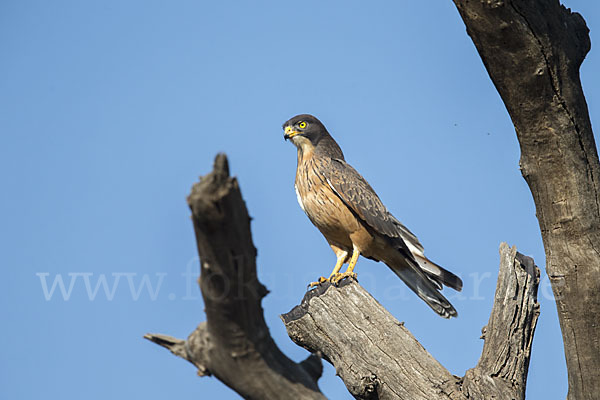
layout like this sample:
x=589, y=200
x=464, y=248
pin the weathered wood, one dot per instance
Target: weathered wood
x=373, y=353
x=532, y=50
x=234, y=343
x=378, y=358
x=501, y=372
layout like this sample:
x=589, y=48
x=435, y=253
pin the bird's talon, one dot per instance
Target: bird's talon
x=335, y=279
x=321, y=280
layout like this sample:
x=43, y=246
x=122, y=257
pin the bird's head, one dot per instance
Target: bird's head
x=308, y=134
x=304, y=129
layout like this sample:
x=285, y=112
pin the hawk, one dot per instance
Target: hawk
x=354, y=221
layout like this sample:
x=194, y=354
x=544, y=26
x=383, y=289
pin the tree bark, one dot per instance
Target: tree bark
x=234, y=343
x=532, y=50
x=378, y=358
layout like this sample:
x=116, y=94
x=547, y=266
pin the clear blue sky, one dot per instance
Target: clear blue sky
x=110, y=110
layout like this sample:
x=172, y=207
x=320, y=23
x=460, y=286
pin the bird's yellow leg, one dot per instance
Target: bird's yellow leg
x=338, y=265
x=341, y=257
x=350, y=271
x=353, y=261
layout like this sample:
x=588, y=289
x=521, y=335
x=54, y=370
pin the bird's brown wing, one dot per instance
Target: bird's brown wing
x=356, y=193
x=359, y=196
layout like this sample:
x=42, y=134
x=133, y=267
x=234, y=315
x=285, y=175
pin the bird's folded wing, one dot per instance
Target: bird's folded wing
x=359, y=196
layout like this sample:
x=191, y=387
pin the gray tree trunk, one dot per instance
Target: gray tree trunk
x=532, y=50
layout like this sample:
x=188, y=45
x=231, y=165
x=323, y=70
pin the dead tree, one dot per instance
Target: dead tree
x=234, y=343
x=378, y=358
x=532, y=50
x=235, y=346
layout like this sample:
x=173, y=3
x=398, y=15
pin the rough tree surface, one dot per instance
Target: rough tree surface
x=234, y=343
x=532, y=50
x=378, y=358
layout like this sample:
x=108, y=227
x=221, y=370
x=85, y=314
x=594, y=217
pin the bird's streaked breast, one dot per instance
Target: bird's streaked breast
x=322, y=206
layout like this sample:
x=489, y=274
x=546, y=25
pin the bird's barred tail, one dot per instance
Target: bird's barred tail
x=419, y=283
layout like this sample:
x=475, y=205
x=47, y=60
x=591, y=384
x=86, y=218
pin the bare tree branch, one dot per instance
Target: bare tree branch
x=502, y=369
x=234, y=343
x=532, y=50
x=378, y=358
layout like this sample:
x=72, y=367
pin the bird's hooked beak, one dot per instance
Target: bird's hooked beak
x=289, y=132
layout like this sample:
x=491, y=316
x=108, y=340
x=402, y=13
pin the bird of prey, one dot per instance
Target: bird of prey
x=354, y=221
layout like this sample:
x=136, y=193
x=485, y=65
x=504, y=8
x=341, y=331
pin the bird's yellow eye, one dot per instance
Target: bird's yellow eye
x=302, y=124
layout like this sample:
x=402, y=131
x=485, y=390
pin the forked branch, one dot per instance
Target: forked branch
x=378, y=358
x=375, y=355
